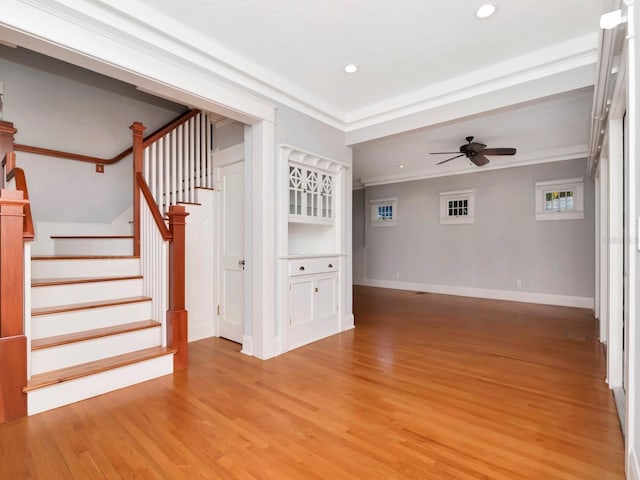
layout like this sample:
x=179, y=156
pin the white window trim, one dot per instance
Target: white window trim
x=446, y=197
x=375, y=222
x=576, y=185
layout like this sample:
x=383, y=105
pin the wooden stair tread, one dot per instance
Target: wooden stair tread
x=75, y=337
x=85, y=369
x=44, y=282
x=72, y=307
x=89, y=237
x=83, y=257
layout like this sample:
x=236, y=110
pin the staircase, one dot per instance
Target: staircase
x=92, y=328
x=104, y=312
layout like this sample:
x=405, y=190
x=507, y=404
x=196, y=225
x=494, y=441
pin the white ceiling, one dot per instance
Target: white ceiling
x=401, y=46
x=430, y=73
x=520, y=78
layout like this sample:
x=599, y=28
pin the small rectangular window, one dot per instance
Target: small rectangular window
x=457, y=207
x=560, y=199
x=383, y=212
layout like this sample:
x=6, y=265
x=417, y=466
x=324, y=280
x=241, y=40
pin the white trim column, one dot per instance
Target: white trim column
x=603, y=242
x=632, y=394
x=615, y=253
x=262, y=262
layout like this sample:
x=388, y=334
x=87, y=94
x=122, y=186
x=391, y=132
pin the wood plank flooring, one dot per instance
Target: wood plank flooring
x=426, y=387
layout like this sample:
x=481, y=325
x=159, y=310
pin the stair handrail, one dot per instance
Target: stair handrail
x=49, y=152
x=155, y=212
x=174, y=235
x=28, y=231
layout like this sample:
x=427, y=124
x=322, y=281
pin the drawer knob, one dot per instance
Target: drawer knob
x=315, y=289
x=331, y=265
x=301, y=269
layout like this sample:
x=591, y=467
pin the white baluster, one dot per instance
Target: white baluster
x=174, y=187
x=179, y=162
x=168, y=161
x=161, y=200
x=207, y=155
x=145, y=163
x=152, y=176
x=190, y=169
x=196, y=156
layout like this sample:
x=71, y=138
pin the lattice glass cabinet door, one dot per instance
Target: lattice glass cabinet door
x=327, y=195
x=296, y=189
x=313, y=193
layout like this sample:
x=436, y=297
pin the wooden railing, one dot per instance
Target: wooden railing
x=13, y=342
x=177, y=160
x=18, y=147
x=14, y=230
x=28, y=231
x=162, y=254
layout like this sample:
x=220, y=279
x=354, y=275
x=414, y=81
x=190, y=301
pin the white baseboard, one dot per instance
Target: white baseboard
x=247, y=345
x=348, y=323
x=509, y=295
x=633, y=468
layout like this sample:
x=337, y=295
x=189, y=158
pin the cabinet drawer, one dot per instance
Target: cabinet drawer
x=312, y=265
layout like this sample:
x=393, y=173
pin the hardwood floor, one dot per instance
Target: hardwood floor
x=426, y=387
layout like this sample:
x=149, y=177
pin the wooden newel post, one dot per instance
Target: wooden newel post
x=177, y=318
x=13, y=343
x=7, y=132
x=138, y=147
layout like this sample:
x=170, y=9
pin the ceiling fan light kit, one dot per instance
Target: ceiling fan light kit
x=476, y=152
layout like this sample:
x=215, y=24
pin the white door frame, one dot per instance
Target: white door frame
x=96, y=38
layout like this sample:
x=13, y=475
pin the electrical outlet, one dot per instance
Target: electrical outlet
x=519, y=283
x=397, y=274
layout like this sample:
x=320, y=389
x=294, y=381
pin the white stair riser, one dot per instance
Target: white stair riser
x=63, y=356
x=107, y=267
x=81, y=320
x=92, y=246
x=51, y=295
x=86, y=387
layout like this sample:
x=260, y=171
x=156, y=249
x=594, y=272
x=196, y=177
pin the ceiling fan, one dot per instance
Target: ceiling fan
x=475, y=152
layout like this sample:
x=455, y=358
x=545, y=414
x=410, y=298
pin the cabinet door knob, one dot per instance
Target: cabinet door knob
x=315, y=289
x=331, y=265
x=301, y=269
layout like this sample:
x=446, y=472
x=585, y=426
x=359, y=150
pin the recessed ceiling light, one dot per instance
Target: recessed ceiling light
x=401, y=165
x=351, y=68
x=486, y=10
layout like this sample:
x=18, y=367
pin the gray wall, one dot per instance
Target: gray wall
x=504, y=244
x=60, y=106
x=358, y=235
x=228, y=135
x=301, y=131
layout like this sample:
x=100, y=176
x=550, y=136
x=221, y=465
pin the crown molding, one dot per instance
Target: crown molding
x=566, y=56
x=133, y=25
x=548, y=156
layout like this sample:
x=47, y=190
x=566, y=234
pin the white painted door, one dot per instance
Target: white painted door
x=231, y=313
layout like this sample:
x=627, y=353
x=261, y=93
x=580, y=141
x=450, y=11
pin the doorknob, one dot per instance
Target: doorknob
x=241, y=263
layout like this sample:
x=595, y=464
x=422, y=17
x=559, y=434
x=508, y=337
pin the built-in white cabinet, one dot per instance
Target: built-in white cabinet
x=311, y=248
x=311, y=195
x=313, y=301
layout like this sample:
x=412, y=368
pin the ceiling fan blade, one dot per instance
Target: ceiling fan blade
x=443, y=153
x=449, y=159
x=479, y=159
x=498, y=151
